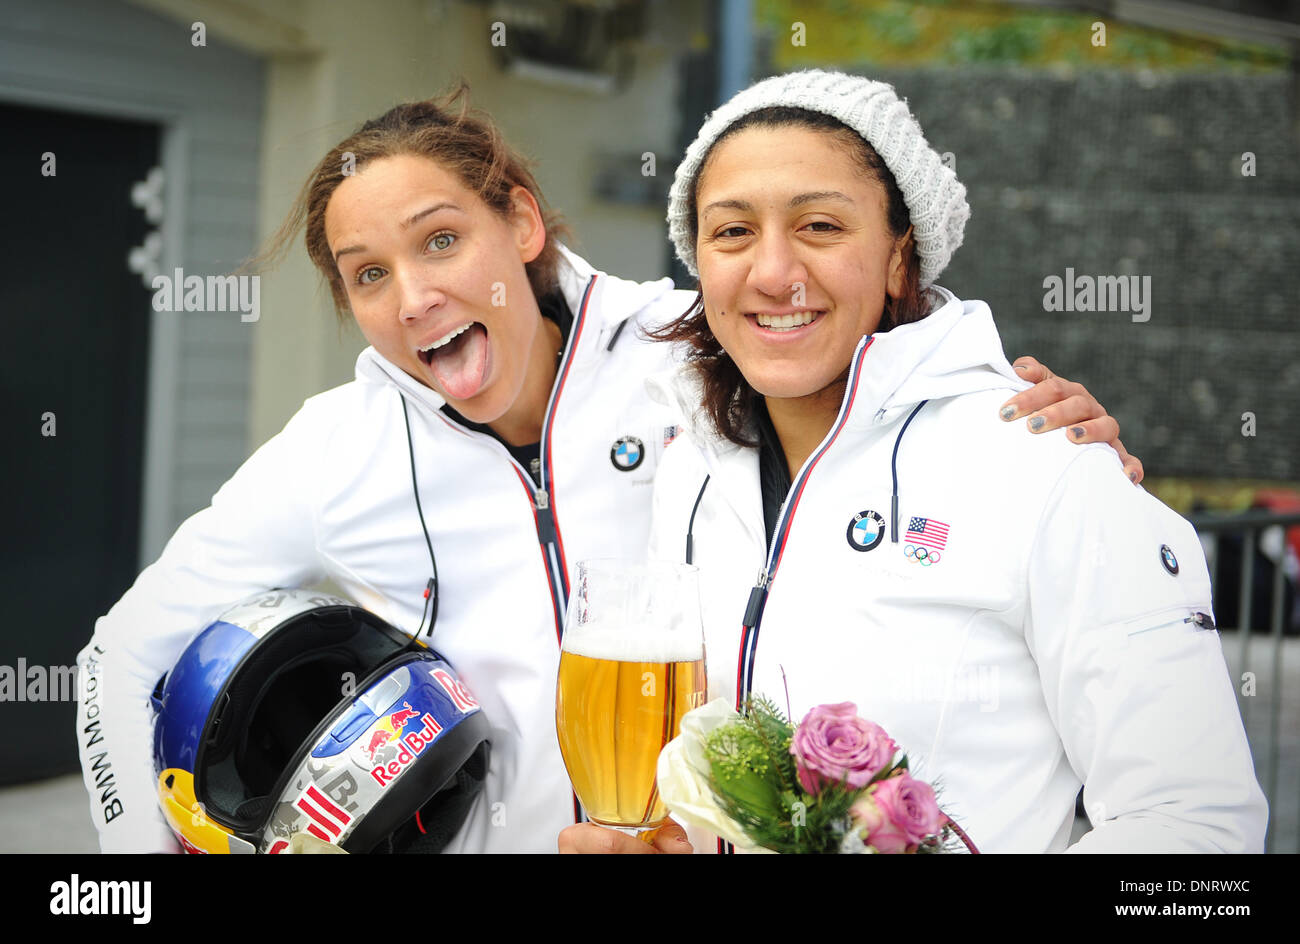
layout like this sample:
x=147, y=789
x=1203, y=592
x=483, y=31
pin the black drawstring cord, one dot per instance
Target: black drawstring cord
x=617, y=332
x=430, y=588
x=690, y=539
x=893, y=465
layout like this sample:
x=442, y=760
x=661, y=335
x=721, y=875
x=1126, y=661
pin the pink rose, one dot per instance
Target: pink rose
x=833, y=744
x=877, y=829
x=910, y=805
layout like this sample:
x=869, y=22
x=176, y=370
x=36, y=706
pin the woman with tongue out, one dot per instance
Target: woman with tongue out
x=498, y=421
x=436, y=275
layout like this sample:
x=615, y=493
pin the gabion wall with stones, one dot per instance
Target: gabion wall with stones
x=1111, y=173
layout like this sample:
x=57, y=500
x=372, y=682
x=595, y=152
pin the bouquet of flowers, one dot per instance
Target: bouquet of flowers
x=835, y=783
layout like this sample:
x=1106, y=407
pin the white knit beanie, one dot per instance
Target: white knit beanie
x=936, y=199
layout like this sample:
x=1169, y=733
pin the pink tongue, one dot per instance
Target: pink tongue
x=461, y=365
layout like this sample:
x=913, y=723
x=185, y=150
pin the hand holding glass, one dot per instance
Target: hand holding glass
x=632, y=663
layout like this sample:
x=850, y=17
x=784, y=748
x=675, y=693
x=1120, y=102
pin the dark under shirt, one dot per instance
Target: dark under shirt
x=555, y=308
x=773, y=473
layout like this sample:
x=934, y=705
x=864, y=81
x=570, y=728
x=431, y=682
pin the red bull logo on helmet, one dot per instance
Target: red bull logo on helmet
x=389, y=729
x=377, y=740
x=412, y=744
x=399, y=718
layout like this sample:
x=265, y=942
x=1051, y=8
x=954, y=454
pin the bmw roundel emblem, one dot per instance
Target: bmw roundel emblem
x=627, y=453
x=1167, y=558
x=866, y=531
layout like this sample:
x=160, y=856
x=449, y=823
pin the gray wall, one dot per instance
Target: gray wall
x=1114, y=173
x=110, y=58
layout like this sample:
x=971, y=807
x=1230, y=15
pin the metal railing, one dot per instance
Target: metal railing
x=1265, y=734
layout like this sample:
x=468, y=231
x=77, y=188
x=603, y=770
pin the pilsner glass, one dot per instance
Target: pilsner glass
x=632, y=663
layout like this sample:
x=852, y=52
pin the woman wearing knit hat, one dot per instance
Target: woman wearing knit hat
x=1009, y=608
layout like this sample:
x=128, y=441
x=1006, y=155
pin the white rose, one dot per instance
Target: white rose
x=684, y=775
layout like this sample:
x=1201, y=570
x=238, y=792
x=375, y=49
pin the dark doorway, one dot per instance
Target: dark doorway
x=76, y=345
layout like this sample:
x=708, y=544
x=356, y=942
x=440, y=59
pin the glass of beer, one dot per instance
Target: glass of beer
x=631, y=664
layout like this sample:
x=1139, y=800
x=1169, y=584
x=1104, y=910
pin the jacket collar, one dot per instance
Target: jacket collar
x=619, y=299
x=953, y=351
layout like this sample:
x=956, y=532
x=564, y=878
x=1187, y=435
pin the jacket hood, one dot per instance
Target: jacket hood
x=619, y=299
x=954, y=350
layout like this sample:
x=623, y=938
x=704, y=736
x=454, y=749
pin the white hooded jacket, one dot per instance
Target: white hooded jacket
x=1051, y=625
x=331, y=496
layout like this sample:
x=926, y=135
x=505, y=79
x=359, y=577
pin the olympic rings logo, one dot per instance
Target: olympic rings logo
x=922, y=555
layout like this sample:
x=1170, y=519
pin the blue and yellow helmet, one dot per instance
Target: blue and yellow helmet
x=300, y=714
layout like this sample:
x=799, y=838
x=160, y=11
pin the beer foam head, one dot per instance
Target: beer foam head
x=631, y=643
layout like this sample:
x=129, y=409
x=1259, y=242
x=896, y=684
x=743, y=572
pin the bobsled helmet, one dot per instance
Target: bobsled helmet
x=296, y=712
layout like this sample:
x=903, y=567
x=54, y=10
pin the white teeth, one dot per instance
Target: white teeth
x=446, y=338
x=786, y=322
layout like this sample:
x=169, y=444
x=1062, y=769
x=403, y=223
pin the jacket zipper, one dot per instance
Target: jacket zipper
x=753, y=618
x=758, y=594
x=548, y=532
x=1202, y=621
x=544, y=523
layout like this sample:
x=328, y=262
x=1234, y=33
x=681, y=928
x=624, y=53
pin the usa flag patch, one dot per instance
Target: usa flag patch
x=927, y=532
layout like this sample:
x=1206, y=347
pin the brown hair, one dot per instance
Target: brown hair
x=728, y=398
x=462, y=139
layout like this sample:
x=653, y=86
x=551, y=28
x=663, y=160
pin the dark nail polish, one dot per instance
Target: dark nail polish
x=1007, y=412
x=1077, y=432
x=1037, y=423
